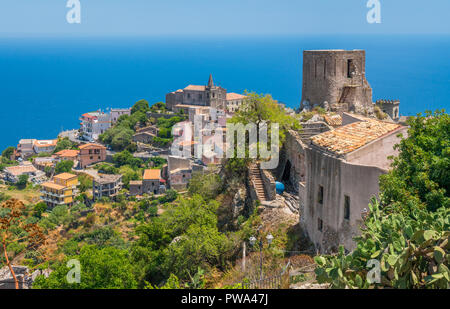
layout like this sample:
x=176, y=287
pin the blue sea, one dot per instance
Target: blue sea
x=47, y=83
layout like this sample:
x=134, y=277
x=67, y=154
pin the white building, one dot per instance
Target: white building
x=93, y=124
x=44, y=146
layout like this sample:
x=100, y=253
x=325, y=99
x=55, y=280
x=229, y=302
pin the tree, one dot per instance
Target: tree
x=85, y=183
x=158, y=162
x=259, y=109
x=421, y=173
x=207, y=185
x=39, y=209
x=122, y=139
x=101, y=268
x=140, y=106
x=62, y=144
x=14, y=228
x=64, y=166
x=22, y=181
x=126, y=158
x=408, y=231
x=8, y=152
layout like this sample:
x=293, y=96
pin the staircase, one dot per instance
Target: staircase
x=345, y=94
x=257, y=182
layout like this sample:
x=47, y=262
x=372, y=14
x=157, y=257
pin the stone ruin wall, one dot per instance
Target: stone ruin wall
x=325, y=77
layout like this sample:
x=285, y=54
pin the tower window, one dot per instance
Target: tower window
x=347, y=207
x=320, y=225
x=350, y=68
x=320, y=195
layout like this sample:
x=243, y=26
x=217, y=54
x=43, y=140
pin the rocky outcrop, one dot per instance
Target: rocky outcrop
x=23, y=275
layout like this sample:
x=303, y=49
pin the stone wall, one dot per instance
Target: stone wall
x=269, y=185
x=337, y=77
x=338, y=179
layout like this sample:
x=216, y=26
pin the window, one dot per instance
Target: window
x=320, y=225
x=320, y=195
x=350, y=68
x=99, y=157
x=91, y=157
x=347, y=207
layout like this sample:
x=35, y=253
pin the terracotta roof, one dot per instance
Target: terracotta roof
x=235, y=96
x=195, y=87
x=52, y=185
x=67, y=153
x=21, y=169
x=333, y=120
x=65, y=176
x=152, y=174
x=45, y=143
x=91, y=145
x=348, y=138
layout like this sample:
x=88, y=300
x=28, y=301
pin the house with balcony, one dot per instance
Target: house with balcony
x=60, y=191
x=44, y=146
x=93, y=124
x=106, y=186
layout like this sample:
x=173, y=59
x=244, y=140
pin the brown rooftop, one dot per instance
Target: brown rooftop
x=92, y=145
x=152, y=174
x=67, y=153
x=195, y=87
x=350, y=137
x=235, y=96
x=52, y=185
x=65, y=176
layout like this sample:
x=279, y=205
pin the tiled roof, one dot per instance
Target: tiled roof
x=52, y=185
x=67, y=153
x=152, y=174
x=333, y=120
x=91, y=145
x=348, y=138
x=235, y=96
x=195, y=87
x=45, y=143
x=65, y=176
x=20, y=169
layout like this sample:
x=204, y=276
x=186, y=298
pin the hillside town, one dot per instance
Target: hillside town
x=328, y=167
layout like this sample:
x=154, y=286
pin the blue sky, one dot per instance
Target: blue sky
x=225, y=17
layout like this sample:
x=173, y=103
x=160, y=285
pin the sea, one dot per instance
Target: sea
x=46, y=83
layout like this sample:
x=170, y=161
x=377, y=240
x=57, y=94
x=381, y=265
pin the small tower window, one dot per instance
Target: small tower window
x=346, y=207
x=320, y=225
x=350, y=68
x=320, y=195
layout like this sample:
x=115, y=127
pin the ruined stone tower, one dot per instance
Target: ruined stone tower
x=336, y=80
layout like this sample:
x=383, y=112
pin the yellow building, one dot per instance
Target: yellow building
x=61, y=191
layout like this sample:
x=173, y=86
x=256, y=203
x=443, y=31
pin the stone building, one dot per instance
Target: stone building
x=180, y=172
x=342, y=173
x=390, y=107
x=115, y=113
x=209, y=95
x=234, y=101
x=336, y=80
x=151, y=183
